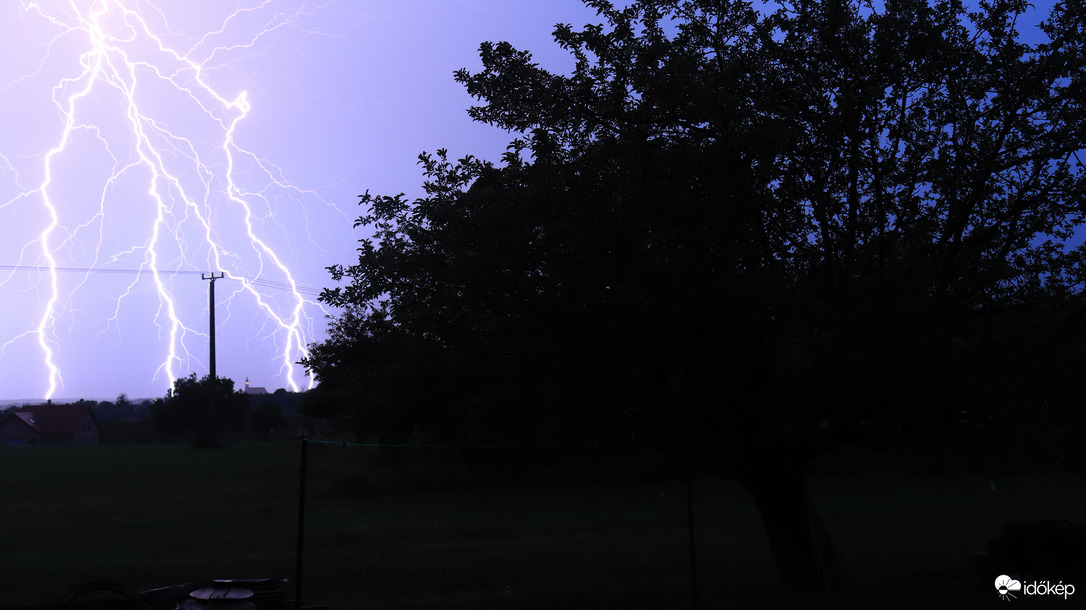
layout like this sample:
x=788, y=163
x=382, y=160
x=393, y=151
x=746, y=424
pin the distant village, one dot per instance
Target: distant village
x=271, y=416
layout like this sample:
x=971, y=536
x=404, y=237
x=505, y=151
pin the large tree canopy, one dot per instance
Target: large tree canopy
x=760, y=231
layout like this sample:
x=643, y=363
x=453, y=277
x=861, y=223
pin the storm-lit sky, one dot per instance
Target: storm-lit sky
x=142, y=143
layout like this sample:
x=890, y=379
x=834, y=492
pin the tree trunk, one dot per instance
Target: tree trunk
x=805, y=556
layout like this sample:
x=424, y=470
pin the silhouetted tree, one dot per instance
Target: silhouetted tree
x=185, y=409
x=746, y=235
x=266, y=417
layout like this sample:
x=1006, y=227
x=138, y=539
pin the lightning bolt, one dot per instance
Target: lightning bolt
x=140, y=101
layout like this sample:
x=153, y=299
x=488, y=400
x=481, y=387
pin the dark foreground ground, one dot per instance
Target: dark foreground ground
x=147, y=516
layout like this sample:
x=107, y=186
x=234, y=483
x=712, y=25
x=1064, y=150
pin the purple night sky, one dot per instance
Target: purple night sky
x=142, y=143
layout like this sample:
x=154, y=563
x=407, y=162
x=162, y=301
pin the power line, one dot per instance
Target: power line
x=254, y=281
x=92, y=270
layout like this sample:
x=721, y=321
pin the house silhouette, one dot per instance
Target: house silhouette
x=49, y=424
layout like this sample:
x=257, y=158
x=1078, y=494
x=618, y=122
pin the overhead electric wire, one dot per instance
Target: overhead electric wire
x=92, y=270
x=273, y=284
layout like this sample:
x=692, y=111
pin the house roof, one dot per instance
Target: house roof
x=29, y=420
x=55, y=419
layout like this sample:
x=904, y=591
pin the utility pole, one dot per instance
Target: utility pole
x=211, y=359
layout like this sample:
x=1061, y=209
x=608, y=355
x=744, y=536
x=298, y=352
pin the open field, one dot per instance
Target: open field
x=146, y=516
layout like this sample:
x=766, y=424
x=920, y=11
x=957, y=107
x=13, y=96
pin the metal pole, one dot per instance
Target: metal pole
x=301, y=529
x=690, y=529
x=211, y=358
x=211, y=315
x=690, y=517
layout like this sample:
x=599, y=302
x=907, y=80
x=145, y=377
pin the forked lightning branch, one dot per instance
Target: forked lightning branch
x=132, y=161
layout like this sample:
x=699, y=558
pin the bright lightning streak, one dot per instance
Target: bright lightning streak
x=135, y=107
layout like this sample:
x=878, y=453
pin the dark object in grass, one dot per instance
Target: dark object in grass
x=232, y=594
x=1035, y=550
x=226, y=594
x=119, y=598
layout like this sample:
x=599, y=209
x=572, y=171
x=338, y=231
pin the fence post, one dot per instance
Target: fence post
x=301, y=528
x=690, y=530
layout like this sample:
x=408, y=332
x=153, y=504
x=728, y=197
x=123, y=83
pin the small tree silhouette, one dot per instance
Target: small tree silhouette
x=266, y=417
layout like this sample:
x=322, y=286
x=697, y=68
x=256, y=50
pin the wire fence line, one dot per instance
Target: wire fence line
x=331, y=473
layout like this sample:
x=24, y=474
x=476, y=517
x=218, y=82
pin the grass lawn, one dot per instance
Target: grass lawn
x=146, y=516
